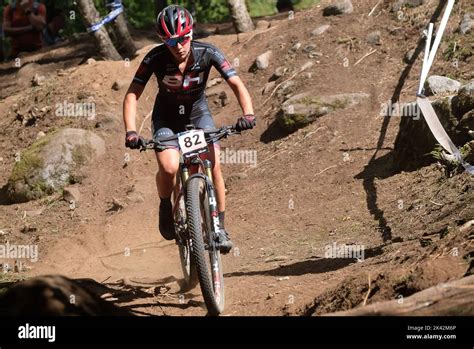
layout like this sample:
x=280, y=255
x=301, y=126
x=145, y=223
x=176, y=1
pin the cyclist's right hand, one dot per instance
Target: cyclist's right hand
x=133, y=140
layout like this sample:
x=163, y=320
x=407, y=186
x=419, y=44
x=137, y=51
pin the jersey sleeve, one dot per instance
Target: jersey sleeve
x=220, y=62
x=145, y=70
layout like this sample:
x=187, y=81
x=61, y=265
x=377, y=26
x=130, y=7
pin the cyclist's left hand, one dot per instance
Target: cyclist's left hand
x=246, y=122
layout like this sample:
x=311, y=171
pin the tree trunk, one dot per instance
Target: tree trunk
x=160, y=5
x=124, y=39
x=91, y=16
x=240, y=16
x=447, y=299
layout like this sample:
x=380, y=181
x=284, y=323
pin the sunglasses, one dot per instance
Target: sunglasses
x=179, y=40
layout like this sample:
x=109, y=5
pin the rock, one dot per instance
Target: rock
x=263, y=61
x=304, y=108
x=34, y=213
x=280, y=71
x=306, y=66
x=214, y=82
x=414, y=3
x=107, y=122
x=467, y=23
x=320, y=30
x=463, y=228
x=268, y=87
x=117, y=205
x=397, y=6
x=262, y=25
x=415, y=140
x=91, y=61
x=395, y=30
x=409, y=56
x=40, y=134
x=52, y=162
x=61, y=72
x=464, y=101
x=467, y=153
x=286, y=88
x=223, y=98
x=28, y=229
x=309, y=48
x=120, y=84
x=276, y=259
x=374, y=38
x=71, y=194
x=135, y=198
x=38, y=80
x=1, y=159
x=436, y=84
x=50, y=296
x=295, y=47
x=466, y=124
x=284, y=278
x=339, y=7
x=314, y=54
x=25, y=74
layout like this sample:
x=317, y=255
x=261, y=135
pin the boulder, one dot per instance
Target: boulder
x=339, y=7
x=436, y=84
x=302, y=109
x=52, y=162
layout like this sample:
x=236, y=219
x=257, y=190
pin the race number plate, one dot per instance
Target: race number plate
x=192, y=141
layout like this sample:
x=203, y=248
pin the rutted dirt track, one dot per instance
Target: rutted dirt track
x=325, y=184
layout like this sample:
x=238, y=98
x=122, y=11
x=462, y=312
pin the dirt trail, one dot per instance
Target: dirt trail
x=310, y=190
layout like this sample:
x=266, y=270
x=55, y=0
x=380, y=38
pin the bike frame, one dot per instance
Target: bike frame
x=203, y=169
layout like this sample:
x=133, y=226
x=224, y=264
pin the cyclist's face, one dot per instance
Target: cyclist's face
x=181, y=50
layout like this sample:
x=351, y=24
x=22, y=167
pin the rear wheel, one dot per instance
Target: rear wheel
x=207, y=257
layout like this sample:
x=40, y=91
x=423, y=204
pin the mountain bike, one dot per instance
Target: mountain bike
x=195, y=212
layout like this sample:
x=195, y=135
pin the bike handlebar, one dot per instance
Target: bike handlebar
x=213, y=135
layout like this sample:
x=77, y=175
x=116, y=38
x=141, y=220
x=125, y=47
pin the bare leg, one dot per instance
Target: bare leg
x=168, y=163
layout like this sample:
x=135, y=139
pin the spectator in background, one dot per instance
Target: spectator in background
x=56, y=22
x=23, y=22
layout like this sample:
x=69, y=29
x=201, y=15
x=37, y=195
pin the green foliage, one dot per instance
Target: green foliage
x=141, y=14
x=258, y=8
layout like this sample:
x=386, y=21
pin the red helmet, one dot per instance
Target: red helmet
x=174, y=20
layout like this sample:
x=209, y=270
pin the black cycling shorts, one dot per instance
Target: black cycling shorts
x=168, y=119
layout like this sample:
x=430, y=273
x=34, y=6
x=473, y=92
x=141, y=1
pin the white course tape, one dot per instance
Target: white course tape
x=424, y=103
x=424, y=71
x=439, y=33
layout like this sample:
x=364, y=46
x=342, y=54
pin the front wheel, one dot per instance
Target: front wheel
x=207, y=258
x=190, y=279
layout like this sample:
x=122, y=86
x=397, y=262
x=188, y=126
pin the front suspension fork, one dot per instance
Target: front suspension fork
x=215, y=226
